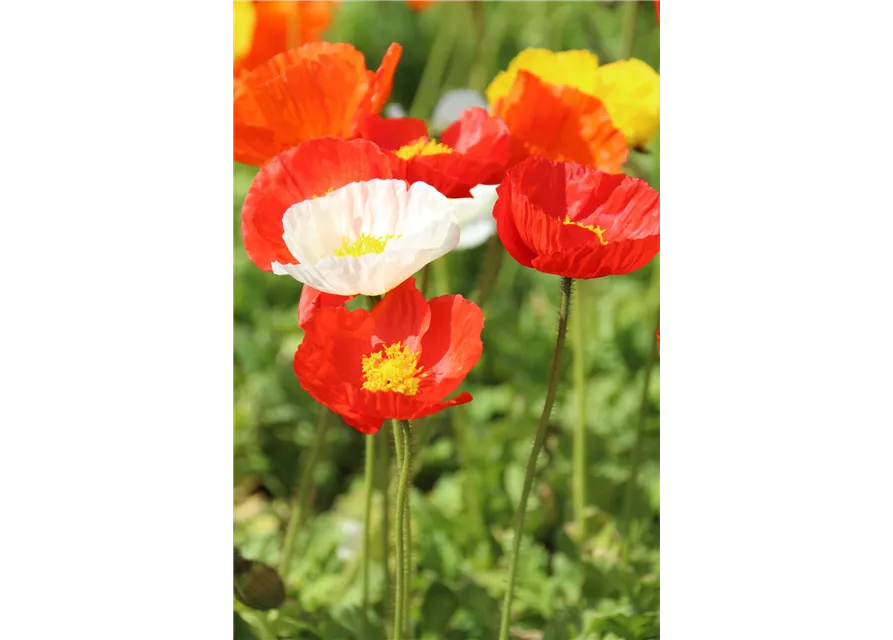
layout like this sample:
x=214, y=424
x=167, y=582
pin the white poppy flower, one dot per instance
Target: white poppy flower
x=367, y=237
x=475, y=215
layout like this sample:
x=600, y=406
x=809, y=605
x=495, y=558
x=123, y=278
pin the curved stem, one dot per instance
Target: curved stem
x=564, y=301
x=369, y=475
x=402, y=444
x=302, y=497
x=578, y=338
x=263, y=624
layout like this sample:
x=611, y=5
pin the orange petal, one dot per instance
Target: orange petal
x=319, y=89
x=561, y=123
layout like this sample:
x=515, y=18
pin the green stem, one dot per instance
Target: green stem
x=441, y=270
x=299, y=502
x=385, y=474
x=369, y=475
x=564, y=301
x=428, y=89
x=627, y=29
x=400, y=512
x=489, y=274
x=578, y=340
x=424, y=277
x=407, y=526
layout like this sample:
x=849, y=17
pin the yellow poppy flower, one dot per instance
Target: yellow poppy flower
x=629, y=89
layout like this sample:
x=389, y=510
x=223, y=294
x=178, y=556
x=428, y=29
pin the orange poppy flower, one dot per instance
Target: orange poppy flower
x=474, y=150
x=313, y=299
x=398, y=361
x=560, y=123
x=319, y=89
x=309, y=170
x=577, y=222
x=420, y=5
x=271, y=27
x=657, y=8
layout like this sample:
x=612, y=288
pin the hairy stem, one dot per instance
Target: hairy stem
x=563, y=313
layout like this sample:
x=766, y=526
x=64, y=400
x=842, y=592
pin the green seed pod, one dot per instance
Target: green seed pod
x=256, y=585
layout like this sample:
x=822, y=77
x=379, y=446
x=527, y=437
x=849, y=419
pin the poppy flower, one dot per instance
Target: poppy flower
x=629, y=89
x=560, y=123
x=419, y=5
x=474, y=150
x=263, y=29
x=314, y=299
x=577, y=222
x=330, y=214
x=657, y=9
x=318, y=89
x=658, y=340
x=398, y=361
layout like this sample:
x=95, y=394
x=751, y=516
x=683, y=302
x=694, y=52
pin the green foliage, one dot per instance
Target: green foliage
x=605, y=588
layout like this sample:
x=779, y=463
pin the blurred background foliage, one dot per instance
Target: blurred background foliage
x=603, y=588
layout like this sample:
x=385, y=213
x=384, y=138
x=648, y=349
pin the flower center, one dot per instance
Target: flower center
x=422, y=147
x=393, y=369
x=596, y=230
x=363, y=245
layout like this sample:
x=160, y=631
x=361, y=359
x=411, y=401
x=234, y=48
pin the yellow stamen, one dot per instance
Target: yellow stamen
x=363, y=245
x=596, y=230
x=394, y=369
x=422, y=147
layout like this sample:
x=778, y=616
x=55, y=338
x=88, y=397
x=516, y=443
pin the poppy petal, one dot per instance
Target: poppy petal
x=452, y=345
x=577, y=129
x=391, y=133
x=575, y=221
x=383, y=82
x=430, y=409
x=314, y=299
x=401, y=316
x=318, y=89
x=308, y=170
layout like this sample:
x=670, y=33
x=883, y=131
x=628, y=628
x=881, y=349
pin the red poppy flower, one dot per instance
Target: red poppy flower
x=313, y=299
x=280, y=26
x=419, y=5
x=319, y=89
x=311, y=169
x=474, y=150
x=398, y=361
x=658, y=340
x=577, y=222
x=560, y=123
x=657, y=8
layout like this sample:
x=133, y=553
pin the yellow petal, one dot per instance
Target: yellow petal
x=244, y=20
x=576, y=68
x=630, y=90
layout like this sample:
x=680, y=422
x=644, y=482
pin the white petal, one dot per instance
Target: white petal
x=421, y=221
x=476, y=233
x=475, y=216
x=452, y=104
